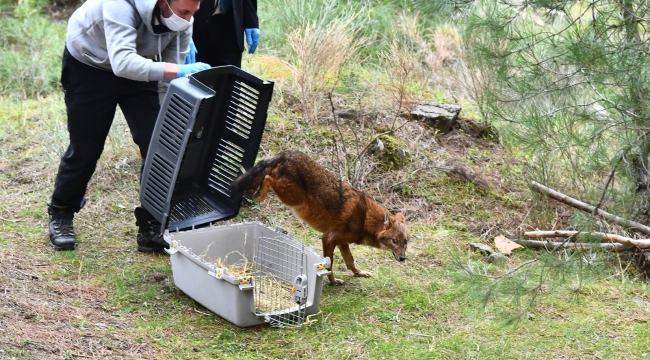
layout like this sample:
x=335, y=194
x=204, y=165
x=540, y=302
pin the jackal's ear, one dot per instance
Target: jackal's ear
x=400, y=217
x=386, y=219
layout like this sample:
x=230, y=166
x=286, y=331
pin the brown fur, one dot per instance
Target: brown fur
x=343, y=214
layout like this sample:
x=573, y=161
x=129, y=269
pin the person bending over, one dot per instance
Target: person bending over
x=117, y=52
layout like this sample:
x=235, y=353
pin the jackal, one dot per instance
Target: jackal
x=343, y=214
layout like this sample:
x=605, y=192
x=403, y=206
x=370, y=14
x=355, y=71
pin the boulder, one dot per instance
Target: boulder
x=440, y=116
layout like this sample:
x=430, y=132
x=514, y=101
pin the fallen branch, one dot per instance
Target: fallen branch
x=638, y=243
x=11, y=220
x=588, y=208
x=552, y=245
x=421, y=335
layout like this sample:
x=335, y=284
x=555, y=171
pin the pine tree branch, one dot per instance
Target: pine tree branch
x=509, y=272
x=515, y=269
x=609, y=180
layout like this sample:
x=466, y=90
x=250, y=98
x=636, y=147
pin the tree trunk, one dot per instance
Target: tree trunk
x=639, y=161
x=631, y=21
x=641, y=177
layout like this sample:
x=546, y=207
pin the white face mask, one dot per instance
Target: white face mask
x=175, y=22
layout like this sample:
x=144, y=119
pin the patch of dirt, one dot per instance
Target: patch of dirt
x=45, y=319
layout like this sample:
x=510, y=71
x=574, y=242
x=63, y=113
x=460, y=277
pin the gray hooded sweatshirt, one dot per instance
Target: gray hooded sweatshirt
x=117, y=35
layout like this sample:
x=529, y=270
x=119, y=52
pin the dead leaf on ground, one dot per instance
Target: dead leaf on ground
x=504, y=245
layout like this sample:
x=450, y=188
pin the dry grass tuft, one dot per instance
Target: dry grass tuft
x=318, y=56
x=434, y=58
x=403, y=68
x=448, y=46
x=448, y=67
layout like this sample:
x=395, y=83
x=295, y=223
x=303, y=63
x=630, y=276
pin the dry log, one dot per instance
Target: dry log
x=550, y=245
x=638, y=243
x=588, y=208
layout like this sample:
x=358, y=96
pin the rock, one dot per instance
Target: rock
x=486, y=249
x=496, y=258
x=440, y=116
x=391, y=152
x=348, y=114
x=378, y=147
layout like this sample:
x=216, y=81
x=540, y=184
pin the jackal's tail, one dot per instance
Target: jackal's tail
x=252, y=179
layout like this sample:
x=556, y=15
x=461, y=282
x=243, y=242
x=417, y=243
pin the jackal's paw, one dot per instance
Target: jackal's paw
x=337, y=282
x=362, y=273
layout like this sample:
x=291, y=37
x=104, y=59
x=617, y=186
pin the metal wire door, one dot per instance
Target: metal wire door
x=280, y=283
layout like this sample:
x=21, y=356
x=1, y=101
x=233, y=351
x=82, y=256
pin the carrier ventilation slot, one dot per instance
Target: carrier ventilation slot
x=280, y=288
x=241, y=110
x=175, y=123
x=190, y=207
x=159, y=182
x=226, y=167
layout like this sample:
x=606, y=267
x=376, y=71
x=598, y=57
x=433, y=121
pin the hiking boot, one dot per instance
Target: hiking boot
x=62, y=235
x=150, y=238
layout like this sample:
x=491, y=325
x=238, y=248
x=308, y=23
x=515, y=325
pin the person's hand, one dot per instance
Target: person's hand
x=252, y=38
x=187, y=69
x=190, y=58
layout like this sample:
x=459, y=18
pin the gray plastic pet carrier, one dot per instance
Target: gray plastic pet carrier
x=209, y=128
x=248, y=273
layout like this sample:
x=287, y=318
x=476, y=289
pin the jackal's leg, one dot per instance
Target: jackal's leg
x=264, y=188
x=329, y=244
x=349, y=261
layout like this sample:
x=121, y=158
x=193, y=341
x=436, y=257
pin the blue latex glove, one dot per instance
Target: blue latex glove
x=187, y=69
x=190, y=58
x=252, y=38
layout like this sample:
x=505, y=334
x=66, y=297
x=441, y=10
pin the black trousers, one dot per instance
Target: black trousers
x=215, y=38
x=91, y=98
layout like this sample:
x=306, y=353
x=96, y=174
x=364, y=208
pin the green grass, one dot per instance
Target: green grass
x=421, y=309
x=30, y=53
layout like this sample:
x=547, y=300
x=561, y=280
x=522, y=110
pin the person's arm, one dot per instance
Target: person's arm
x=171, y=71
x=171, y=55
x=120, y=30
x=251, y=19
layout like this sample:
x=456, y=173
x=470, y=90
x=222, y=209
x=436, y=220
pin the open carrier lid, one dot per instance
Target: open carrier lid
x=209, y=127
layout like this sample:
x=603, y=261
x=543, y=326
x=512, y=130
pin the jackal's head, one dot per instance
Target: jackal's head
x=395, y=236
